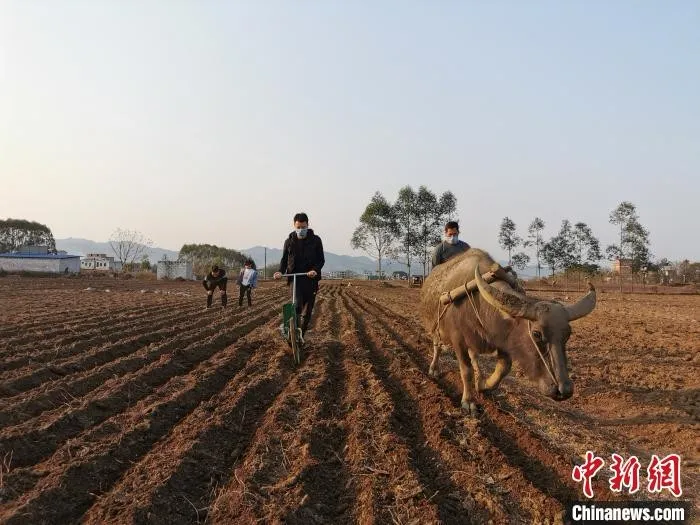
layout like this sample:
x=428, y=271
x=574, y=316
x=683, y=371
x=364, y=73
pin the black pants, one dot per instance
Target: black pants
x=210, y=286
x=245, y=291
x=306, y=297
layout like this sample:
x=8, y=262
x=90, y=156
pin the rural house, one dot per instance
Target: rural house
x=622, y=266
x=100, y=262
x=38, y=259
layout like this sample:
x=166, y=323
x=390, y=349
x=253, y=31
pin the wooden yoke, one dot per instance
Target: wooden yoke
x=495, y=273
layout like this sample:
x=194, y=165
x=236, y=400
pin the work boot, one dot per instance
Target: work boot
x=224, y=300
x=209, y=299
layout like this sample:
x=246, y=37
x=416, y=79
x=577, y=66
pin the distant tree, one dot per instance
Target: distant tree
x=549, y=256
x=145, y=263
x=15, y=233
x=683, y=271
x=536, y=240
x=694, y=272
x=128, y=245
x=586, y=246
x=377, y=232
x=558, y=252
x=406, y=214
x=447, y=207
x=508, y=239
x=203, y=256
x=634, y=238
x=586, y=250
x=428, y=230
x=520, y=260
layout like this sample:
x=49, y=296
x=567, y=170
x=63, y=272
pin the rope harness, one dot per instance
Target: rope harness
x=539, y=353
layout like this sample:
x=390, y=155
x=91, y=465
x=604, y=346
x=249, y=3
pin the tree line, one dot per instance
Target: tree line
x=406, y=229
x=203, y=256
x=575, y=247
x=15, y=233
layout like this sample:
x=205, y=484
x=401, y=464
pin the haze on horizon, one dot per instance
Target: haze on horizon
x=217, y=121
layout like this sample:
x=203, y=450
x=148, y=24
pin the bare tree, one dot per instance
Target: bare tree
x=129, y=245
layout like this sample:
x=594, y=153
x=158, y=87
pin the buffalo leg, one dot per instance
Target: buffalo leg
x=502, y=369
x=466, y=372
x=438, y=347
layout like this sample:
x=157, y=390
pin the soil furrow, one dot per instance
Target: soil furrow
x=29, y=447
x=293, y=470
x=118, y=362
x=78, y=473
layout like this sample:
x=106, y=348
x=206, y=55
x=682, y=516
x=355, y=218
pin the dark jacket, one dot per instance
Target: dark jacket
x=211, y=278
x=302, y=255
x=445, y=251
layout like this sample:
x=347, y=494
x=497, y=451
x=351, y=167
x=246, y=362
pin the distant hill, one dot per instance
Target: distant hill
x=257, y=253
x=84, y=246
x=334, y=262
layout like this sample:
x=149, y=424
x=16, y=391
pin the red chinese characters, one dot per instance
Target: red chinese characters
x=662, y=474
x=586, y=472
x=625, y=474
x=665, y=474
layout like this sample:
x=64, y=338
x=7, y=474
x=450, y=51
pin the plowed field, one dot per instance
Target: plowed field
x=134, y=405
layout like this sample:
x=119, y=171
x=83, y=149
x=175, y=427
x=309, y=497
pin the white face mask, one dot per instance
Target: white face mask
x=301, y=232
x=453, y=239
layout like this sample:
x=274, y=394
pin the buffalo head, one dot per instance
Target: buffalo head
x=547, y=331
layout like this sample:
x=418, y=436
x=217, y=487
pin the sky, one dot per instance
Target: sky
x=215, y=121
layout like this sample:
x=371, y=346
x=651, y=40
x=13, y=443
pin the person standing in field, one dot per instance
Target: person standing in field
x=247, y=280
x=215, y=279
x=303, y=253
x=450, y=245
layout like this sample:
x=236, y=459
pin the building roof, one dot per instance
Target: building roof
x=37, y=256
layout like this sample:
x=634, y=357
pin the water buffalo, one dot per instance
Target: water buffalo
x=498, y=317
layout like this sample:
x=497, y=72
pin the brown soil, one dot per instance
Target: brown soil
x=123, y=406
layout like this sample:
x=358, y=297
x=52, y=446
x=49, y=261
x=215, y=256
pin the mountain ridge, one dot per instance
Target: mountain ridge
x=359, y=264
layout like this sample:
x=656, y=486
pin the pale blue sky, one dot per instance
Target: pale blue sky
x=213, y=121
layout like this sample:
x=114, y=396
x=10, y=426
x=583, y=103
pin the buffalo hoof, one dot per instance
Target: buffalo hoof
x=470, y=409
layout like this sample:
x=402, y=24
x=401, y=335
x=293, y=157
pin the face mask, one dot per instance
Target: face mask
x=301, y=232
x=453, y=239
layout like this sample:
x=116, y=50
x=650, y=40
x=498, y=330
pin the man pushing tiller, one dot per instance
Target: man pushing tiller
x=303, y=253
x=215, y=278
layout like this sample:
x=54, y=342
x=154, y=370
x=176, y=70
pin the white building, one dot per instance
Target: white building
x=100, y=262
x=343, y=274
x=39, y=263
x=175, y=269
